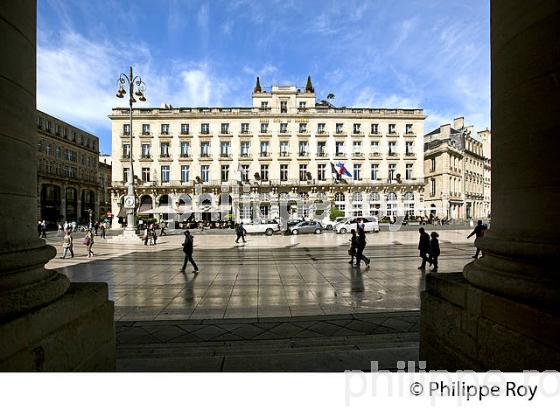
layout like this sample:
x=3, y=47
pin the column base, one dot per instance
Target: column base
x=74, y=333
x=129, y=234
x=465, y=328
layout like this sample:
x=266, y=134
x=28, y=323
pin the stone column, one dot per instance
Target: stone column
x=24, y=282
x=523, y=246
x=46, y=323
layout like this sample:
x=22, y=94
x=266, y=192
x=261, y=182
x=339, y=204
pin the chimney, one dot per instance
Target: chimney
x=445, y=130
x=459, y=123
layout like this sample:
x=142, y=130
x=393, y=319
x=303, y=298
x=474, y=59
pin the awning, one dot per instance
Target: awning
x=162, y=209
x=122, y=213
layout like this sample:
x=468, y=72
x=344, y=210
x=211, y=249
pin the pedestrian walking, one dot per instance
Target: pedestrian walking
x=88, y=242
x=44, y=229
x=66, y=226
x=479, y=231
x=146, y=236
x=240, y=232
x=188, y=247
x=163, y=228
x=96, y=227
x=434, y=251
x=71, y=243
x=103, y=228
x=39, y=228
x=66, y=245
x=424, y=247
x=360, y=246
x=353, y=246
x=154, y=235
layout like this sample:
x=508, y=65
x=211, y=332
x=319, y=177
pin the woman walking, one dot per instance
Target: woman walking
x=88, y=242
x=434, y=251
x=361, y=244
x=66, y=245
x=353, y=246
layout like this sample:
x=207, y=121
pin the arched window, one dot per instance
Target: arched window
x=391, y=204
x=408, y=199
x=374, y=204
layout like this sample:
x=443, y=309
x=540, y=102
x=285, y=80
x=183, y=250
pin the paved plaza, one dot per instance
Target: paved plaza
x=278, y=276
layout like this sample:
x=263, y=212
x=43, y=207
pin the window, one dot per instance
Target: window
x=375, y=147
x=185, y=148
x=284, y=147
x=264, y=106
x=244, y=128
x=264, y=172
x=224, y=129
x=165, y=173
x=205, y=128
x=356, y=128
x=321, y=172
x=301, y=105
x=126, y=129
x=391, y=204
x=164, y=129
x=224, y=172
x=392, y=169
x=264, y=127
x=357, y=147
x=48, y=126
x=433, y=187
x=245, y=145
x=145, y=129
x=283, y=127
x=126, y=151
x=164, y=149
x=409, y=148
x=339, y=128
x=374, y=203
x=408, y=171
x=357, y=204
x=392, y=148
x=225, y=149
x=321, y=148
x=339, y=148
x=283, y=172
x=375, y=128
x=58, y=153
x=433, y=165
x=303, y=172
x=145, y=150
x=145, y=174
x=303, y=148
x=283, y=107
x=244, y=173
x=184, y=173
x=340, y=201
x=204, y=173
x=374, y=172
x=39, y=122
x=357, y=172
x=126, y=175
x=392, y=128
x=408, y=129
x=264, y=149
x=185, y=129
x=204, y=149
x=302, y=127
x=49, y=149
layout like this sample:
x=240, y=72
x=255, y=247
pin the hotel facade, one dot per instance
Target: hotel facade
x=248, y=161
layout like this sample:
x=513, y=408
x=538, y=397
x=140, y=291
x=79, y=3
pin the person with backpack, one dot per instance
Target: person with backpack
x=241, y=232
x=88, y=242
x=434, y=251
x=360, y=246
x=188, y=247
x=479, y=231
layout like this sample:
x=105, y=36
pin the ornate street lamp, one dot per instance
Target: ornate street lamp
x=135, y=87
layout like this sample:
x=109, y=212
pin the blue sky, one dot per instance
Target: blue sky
x=431, y=54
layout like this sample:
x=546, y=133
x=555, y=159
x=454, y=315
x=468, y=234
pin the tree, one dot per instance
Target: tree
x=335, y=213
x=330, y=96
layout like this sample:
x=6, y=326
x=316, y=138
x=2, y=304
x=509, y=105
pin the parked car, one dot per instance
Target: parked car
x=266, y=227
x=371, y=224
x=306, y=227
x=330, y=225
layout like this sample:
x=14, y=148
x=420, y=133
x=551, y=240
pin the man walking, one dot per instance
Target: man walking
x=188, y=246
x=479, y=231
x=424, y=248
x=241, y=232
x=360, y=246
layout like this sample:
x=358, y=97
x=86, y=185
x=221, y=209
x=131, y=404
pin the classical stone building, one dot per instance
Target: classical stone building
x=67, y=171
x=455, y=167
x=282, y=149
x=485, y=136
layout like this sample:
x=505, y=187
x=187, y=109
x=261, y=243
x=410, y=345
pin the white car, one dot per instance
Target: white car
x=330, y=225
x=370, y=224
x=266, y=227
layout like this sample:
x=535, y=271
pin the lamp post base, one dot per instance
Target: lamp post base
x=129, y=233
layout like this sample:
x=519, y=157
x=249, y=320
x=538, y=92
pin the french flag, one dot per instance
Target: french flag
x=339, y=169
